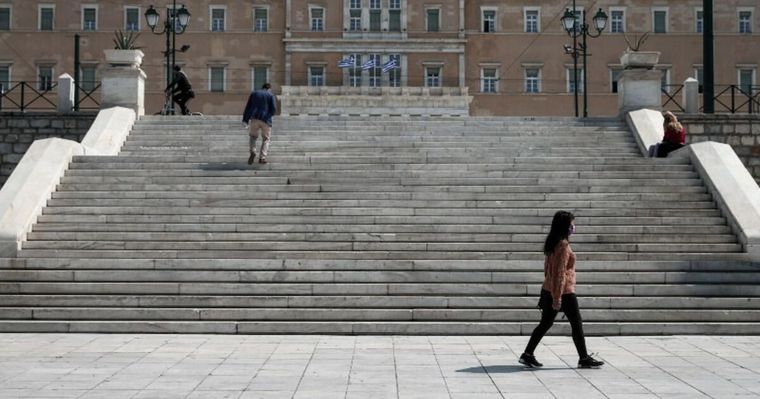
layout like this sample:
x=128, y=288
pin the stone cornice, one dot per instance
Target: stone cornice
x=339, y=45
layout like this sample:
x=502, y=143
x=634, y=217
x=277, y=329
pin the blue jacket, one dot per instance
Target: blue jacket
x=261, y=105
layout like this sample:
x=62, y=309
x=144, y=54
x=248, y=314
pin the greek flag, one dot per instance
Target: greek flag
x=392, y=64
x=346, y=62
x=369, y=64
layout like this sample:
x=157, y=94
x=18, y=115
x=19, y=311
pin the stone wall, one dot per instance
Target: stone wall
x=19, y=130
x=741, y=132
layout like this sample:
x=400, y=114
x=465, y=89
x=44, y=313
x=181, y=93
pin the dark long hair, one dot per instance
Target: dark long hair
x=560, y=231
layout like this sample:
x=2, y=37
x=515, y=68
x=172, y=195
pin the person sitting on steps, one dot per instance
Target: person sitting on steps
x=673, y=139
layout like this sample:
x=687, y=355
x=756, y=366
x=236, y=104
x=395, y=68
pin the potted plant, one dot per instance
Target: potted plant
x=125, y=51
x=634, y=58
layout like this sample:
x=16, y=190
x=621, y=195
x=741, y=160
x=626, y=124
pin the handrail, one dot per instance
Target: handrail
x=21, y=88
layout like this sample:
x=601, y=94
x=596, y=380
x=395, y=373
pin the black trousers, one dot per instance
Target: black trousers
x=181, y=98
x=573, y=313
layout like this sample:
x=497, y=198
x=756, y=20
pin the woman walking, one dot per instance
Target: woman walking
x=558, y=292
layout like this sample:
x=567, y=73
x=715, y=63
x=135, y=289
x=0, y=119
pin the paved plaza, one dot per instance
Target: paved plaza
x=369, y=367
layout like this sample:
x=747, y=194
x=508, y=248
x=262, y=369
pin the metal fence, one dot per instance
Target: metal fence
x=43, y=96
x=734, y=99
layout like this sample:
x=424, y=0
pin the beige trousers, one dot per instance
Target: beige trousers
x=266, y=131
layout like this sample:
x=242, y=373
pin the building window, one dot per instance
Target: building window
x=5, y=18
x=355, y=5
x=747, y=81
x=489, y=80
x=217, y=19
x=394, y=75
x=433, y=76
x=5, y=78
x=660, y=21
x=260, y=19
x=531, y=21
x=433, y=20
x=394, y=16
x=699, y=20
x=617, y=21
x=376, y=72
x=614, y=77
x=317, y=19
x=216, y=79
x=44, y=78
x=745, y=21
x=259, y=76
x=89, y=19
x=489, y=20
x=316, y=76
x=532, y=80
x=375, y=14
x=88, y=78
x=46, y=17
x=355, y=73
x=355, y=19
x=571, y=83
x=131, y=19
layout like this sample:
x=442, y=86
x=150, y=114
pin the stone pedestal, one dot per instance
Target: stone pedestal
x=66, y=92
x=691, y=96
x=124, y=85
x=639, y=88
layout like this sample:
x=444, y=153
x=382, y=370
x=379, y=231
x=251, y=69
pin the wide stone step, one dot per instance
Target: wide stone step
x=328, y=314
x=381, y=195
x=364, y=276
x=431, y=181
x=375, y=328
x=724, y=265
x=158, y=189
x=366, y=228
x=382, y=204
x=393, y=237
x=382, y=289
x=354, y=174
x=599, y=162
x=367, y=302
x=479, y=167
x=698, y=253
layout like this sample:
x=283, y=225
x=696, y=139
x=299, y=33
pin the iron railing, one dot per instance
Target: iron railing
x=28, y=96
x=86, y=101
x=41, y=96
x=729, y=98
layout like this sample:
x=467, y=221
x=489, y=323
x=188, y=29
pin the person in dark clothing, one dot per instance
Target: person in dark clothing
x=261, y=107
x=558, y=292
x=181, y=90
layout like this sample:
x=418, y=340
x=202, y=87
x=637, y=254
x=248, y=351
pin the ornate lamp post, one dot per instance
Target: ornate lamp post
x=175, y=23
x=571, y=24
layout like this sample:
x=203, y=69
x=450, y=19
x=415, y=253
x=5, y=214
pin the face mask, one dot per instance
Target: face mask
x=572, y=230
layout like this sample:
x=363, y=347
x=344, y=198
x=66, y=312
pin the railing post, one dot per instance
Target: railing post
x=66, y=97
x=733, y=99
x=691, y=96
x=23, y=84
x=2, y=95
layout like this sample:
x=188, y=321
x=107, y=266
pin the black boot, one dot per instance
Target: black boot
x=529, y=361
x=589, y=362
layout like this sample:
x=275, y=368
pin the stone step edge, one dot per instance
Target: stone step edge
x=374, y=328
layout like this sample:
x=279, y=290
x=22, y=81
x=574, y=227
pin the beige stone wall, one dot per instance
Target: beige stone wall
x=18, y=131
x=239, y=48
x=741, y=132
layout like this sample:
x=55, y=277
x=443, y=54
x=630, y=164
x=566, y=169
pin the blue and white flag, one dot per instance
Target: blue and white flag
x=346, y=62
x=369, y=64
x=392, y=64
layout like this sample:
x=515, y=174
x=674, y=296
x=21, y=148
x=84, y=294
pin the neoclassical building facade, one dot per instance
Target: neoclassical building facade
x=508, y=56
